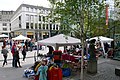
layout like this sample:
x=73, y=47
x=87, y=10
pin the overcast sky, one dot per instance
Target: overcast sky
x=14, y=4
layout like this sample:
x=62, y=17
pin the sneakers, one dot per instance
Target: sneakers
x=16, y=66
x=20, y=66
x=2, y=65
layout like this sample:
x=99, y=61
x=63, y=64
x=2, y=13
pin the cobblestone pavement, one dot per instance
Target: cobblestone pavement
x=9, y=73
x=106, y=71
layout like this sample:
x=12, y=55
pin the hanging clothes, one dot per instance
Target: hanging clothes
x=42, y=72
x=55, y=73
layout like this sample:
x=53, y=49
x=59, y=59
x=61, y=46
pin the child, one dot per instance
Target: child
x=42, y=71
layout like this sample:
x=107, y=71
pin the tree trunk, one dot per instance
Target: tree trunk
x=82, y=58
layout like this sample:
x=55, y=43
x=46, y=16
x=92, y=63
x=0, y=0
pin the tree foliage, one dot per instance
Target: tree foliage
x=117, y=10
x=117, y=16
x=82, y=17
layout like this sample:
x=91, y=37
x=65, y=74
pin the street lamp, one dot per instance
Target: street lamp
x=37, y=36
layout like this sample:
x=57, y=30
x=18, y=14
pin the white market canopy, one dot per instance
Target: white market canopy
x=21, y=37
x=4, y=36
x=102, y=39
x=60, y=40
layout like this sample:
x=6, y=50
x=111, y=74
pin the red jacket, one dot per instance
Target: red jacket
x=54, y=74
x=13, y=49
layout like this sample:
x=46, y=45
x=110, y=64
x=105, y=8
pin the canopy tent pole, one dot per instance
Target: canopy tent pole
x=56, y=47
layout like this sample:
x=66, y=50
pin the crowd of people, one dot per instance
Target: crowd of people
x=16, y=47
x=54, y=59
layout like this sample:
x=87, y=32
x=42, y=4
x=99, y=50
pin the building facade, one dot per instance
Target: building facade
x=33, y=22
x=5, y=25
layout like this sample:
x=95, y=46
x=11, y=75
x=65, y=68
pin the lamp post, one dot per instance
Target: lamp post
x=37, y=36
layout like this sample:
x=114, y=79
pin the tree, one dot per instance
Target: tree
x=117, y=16
x=82, y=17
x=67, y=14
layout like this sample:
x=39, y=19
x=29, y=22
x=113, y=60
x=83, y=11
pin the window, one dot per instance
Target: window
x=19, y=21
x=4, y=29
x=0, y=16
x=46, y=11
x=31, y=25
x=50, y=20
x=19, y=25
x=39, y=18
x=54, y=27
x=43, y=18
x=46, y=18
x=39, y=26
x=41, y=11
x=35, y=25
x=27, y=25
x=46, y=26
x=27, y=8
x=10, y=28
x=31, y=17
x=4, y=24
x=27, y=17
x=43, y=26
x=31, y=9
x=35, y=9
x=35, y=18
x=50, y=26
x=19, y=17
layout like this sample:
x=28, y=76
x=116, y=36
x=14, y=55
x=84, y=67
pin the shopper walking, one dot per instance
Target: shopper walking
x=26, y=44
x=24, y=52
x=4, y=52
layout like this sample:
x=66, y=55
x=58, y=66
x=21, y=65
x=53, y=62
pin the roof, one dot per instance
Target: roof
x=31, y=6
x=60, y=40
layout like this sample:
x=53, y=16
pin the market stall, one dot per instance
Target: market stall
x=60, y=40
x=58, y=58
x=4, y=36
x=21, y=37
x=102, y=40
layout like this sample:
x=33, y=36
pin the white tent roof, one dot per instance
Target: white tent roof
x=101, y=38
x=60, y=40
x=21, y=37
x=3, y=35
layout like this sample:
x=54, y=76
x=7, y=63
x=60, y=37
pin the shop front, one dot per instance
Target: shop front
x=30, y=34
x=17, y=33
x=45, y=35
